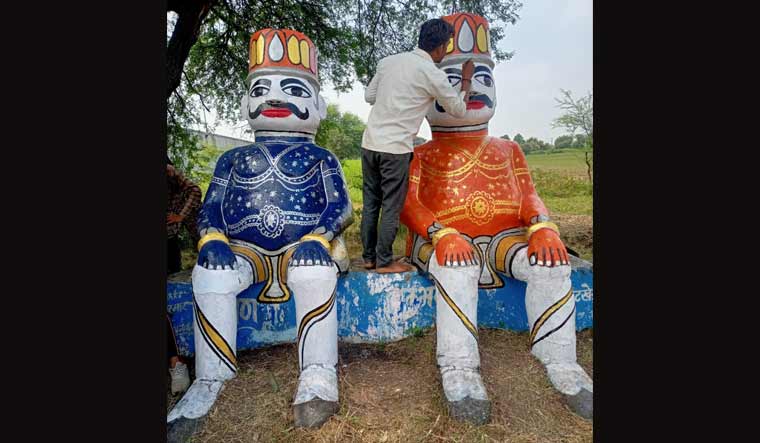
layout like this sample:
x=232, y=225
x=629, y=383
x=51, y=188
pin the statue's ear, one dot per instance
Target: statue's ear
x=322, y=107
x=244, y=107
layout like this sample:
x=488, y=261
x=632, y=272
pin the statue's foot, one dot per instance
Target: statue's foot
x=582, y=403
x=316, y=397
x=314, y=413
x=368, y=265
x=477, y=412
x=465, y=395
x=181, y=429
x=188, y=414
x=575, y=385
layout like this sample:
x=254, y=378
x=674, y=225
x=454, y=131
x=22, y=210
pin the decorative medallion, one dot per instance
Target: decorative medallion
x=480, y=207
x=272, y=221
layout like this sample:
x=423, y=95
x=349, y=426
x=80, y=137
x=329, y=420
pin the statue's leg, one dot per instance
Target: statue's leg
x=215, y=324
x=314, y=290
x=456, y=303
x=550, y=305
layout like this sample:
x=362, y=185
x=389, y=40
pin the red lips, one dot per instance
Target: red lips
x=475, y=104
x=277, y=112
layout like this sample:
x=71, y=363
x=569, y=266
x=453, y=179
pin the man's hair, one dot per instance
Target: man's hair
x=434, y=33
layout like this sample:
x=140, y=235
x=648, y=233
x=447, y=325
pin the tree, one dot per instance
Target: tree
x=519, y=139
x=580, y=141
x=505, y=137
x=341, y=133
x=207, y=53
x=578, y=116
x=564, y=141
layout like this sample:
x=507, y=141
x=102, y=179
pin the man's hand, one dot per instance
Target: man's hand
x=454, y=250
x=546, y=249
x=468, y=68
x=174, y=218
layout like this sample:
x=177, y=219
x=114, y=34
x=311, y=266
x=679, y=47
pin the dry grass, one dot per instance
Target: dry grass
x=392, y=393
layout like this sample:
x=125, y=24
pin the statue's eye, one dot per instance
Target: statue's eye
x=454, y=79
x=485, y=79
x=296, y=91
x=258, y=91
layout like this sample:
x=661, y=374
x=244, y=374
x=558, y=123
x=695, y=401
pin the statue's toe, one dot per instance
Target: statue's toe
x=314, y=413
x=477, y=412
x=582, y=403
x=181, y=429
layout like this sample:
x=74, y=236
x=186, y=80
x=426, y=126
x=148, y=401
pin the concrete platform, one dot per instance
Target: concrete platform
x=372, y=308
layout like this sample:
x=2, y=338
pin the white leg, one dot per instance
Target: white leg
x=215, y=325
x=314, y=290
x=550, y=306
x=456, y=303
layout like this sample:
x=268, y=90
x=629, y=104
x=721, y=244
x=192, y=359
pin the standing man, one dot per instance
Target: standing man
x=401, y=92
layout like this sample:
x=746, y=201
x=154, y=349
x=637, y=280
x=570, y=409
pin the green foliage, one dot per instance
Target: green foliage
x=564, y=141
x=581, y=141
x=341, y=133
x=415, y=331
x=352, y=169
x=505, y=137
x=519, y=139
x=351, y=36
x=578, y=114
x=534, y=145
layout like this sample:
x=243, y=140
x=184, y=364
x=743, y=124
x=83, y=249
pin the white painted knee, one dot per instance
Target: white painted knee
x=229, y=281
x=311, y=276
x=523, y=270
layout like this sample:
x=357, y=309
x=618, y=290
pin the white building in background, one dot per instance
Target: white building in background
x=222, y=142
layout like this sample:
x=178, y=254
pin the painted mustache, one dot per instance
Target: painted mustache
x=475, y=102
x=278, y=110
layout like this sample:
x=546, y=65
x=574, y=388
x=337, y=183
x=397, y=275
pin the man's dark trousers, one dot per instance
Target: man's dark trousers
x=386, y=179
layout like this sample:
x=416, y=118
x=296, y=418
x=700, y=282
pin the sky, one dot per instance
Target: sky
x=553, y=47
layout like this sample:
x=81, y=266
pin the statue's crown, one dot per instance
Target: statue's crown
x=277, y=50
x=471, y=39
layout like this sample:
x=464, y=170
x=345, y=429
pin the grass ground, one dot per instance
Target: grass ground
x=392, y=393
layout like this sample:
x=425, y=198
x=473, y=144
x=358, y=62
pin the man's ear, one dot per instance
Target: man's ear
x=244, y=107
x=322, y=107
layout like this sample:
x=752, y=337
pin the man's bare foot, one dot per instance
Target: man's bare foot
x=394, y=267
x=368, y=265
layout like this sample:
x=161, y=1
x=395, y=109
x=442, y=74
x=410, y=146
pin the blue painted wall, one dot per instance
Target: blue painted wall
x=371, y=308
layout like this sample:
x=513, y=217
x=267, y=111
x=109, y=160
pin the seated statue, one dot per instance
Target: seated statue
x=474, y=217
x=273, y=216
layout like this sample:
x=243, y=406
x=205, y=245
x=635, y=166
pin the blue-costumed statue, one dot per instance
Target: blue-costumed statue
x=273, y=214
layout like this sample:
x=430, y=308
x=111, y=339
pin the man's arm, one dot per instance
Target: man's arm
x=370, y=93
x=452, y=100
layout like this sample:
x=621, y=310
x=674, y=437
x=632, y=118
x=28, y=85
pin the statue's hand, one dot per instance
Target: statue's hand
x=310, y=253
x=546, y=249
x=454, y=250
x=216, y=254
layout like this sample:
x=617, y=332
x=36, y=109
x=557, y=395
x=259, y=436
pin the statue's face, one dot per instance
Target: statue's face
x=283, y=103
x=480, y=107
